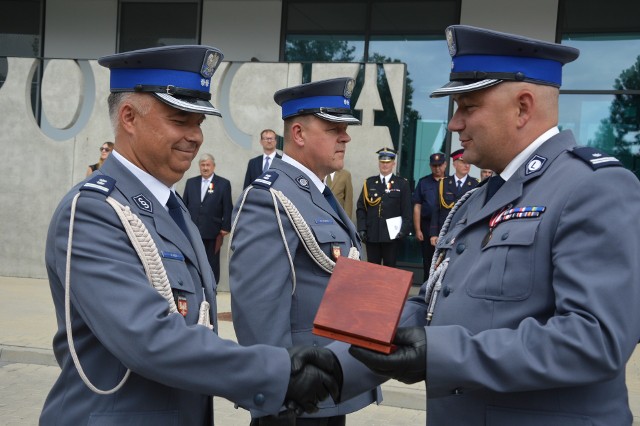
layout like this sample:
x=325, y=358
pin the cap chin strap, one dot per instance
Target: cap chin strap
x=173, y=91
x=148, y=252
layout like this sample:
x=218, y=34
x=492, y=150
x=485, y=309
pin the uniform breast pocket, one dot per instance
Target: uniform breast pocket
x=178, y=276
x=510, y=259
x=333, y=241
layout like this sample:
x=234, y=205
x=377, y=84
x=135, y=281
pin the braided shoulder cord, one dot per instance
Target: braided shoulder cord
x=302, y=230
x=443, y=203
x=369, y=201
x=439, y=264
x=147, y=251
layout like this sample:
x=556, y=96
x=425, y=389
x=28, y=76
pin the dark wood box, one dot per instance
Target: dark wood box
x=362, y=304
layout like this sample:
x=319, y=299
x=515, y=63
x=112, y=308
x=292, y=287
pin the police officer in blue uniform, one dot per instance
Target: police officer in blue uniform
x=424, y=202
x=133, y=291
x=450, y=190
x=289, y=231
x=384, y=196
x=534, y=311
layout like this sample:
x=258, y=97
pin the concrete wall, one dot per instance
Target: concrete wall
x=42, y=163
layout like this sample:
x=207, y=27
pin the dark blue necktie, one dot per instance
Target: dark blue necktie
x=176, y=213
x=495, y=182
x=328, y=195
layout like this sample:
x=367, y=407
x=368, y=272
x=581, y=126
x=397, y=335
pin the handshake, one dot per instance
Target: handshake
x=315, y=375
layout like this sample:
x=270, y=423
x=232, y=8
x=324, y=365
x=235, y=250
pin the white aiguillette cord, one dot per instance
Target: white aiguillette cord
x=302, y=229
x=153, y=267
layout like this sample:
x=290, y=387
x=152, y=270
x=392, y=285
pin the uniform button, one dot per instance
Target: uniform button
x=460, y=248
x=333, y=236
x=505, y=236
x=448, y=241
x=258, y=399
x=446, y=291
x=180, y=283
x=457, y=391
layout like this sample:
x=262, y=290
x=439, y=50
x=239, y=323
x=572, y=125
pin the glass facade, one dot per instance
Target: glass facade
x=600, y=96
x=165, y=23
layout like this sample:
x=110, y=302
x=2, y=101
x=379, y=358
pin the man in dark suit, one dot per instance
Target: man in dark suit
x=450, y=190
x=208, y=199
x=261, y=163
x=137, y=333
x=384, y=211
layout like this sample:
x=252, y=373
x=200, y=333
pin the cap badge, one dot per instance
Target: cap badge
x=451, y=41
x=535, y=164
x=348, y=88
x=303, y=182
x=210, y=63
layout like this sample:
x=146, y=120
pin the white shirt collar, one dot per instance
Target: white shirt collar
x=316, y=181
x=463, y=180
x=157, y=188
x=519, y=159
x=209, y=179
x=387, y=177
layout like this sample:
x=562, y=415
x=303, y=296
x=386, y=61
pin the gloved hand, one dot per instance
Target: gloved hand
x=315, y=375
x=400, y=235
x=407, y=364
x=363, y=236
x=284, y=418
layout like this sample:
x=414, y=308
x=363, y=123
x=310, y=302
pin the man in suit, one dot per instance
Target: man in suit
x=208, y=199
x=424, y=200
x=450, y=190
x=339, y=182
x=261, y=163
x=127, y=353
x=276, y=283
x=536, y=311
x=383, y=197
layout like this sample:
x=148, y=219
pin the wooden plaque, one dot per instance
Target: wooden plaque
x=362, y=304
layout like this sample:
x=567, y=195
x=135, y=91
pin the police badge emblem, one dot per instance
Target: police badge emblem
x=348, y=88
x=210, y=63
x=451, y=42
x=336, y=251
x=183, y=308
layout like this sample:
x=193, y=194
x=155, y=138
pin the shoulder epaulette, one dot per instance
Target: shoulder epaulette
x=595, y=158
x=265, y=180
x=101, y=184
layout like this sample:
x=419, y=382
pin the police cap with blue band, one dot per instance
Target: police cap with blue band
x=481, y=58
x=179, y=76
x=386, y=155
x=326, y=99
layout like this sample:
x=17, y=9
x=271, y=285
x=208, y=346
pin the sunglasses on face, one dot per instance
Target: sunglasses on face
x=105, y=149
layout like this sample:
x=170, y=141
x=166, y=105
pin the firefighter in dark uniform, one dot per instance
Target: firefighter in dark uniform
x=384, y=211
x=450, y=190
x=424, y=199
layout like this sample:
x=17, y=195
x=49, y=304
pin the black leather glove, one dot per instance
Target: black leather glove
x=363, y=236
x=284, y=418
x=315, y=375
x=400, y=235
x=407, y=364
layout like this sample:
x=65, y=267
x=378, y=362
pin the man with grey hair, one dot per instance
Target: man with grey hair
x=134, y=296
x=208, y=199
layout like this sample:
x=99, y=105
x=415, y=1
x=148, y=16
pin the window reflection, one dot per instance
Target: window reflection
x=606, y=122
x=591, y=70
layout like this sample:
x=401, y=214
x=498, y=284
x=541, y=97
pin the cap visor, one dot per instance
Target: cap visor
x=189, y=104
x=454, y=87
x=338, y=118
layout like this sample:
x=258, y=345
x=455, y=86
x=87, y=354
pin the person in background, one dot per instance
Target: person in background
x=340, y=184
x=134, y=295
x=105, y=150
x=208, y=199
x=261, y=163
x=536, y=310
x=450, y=190
x=424, y=202
x=384, y=208
x=485, y=174
x=289, y=229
